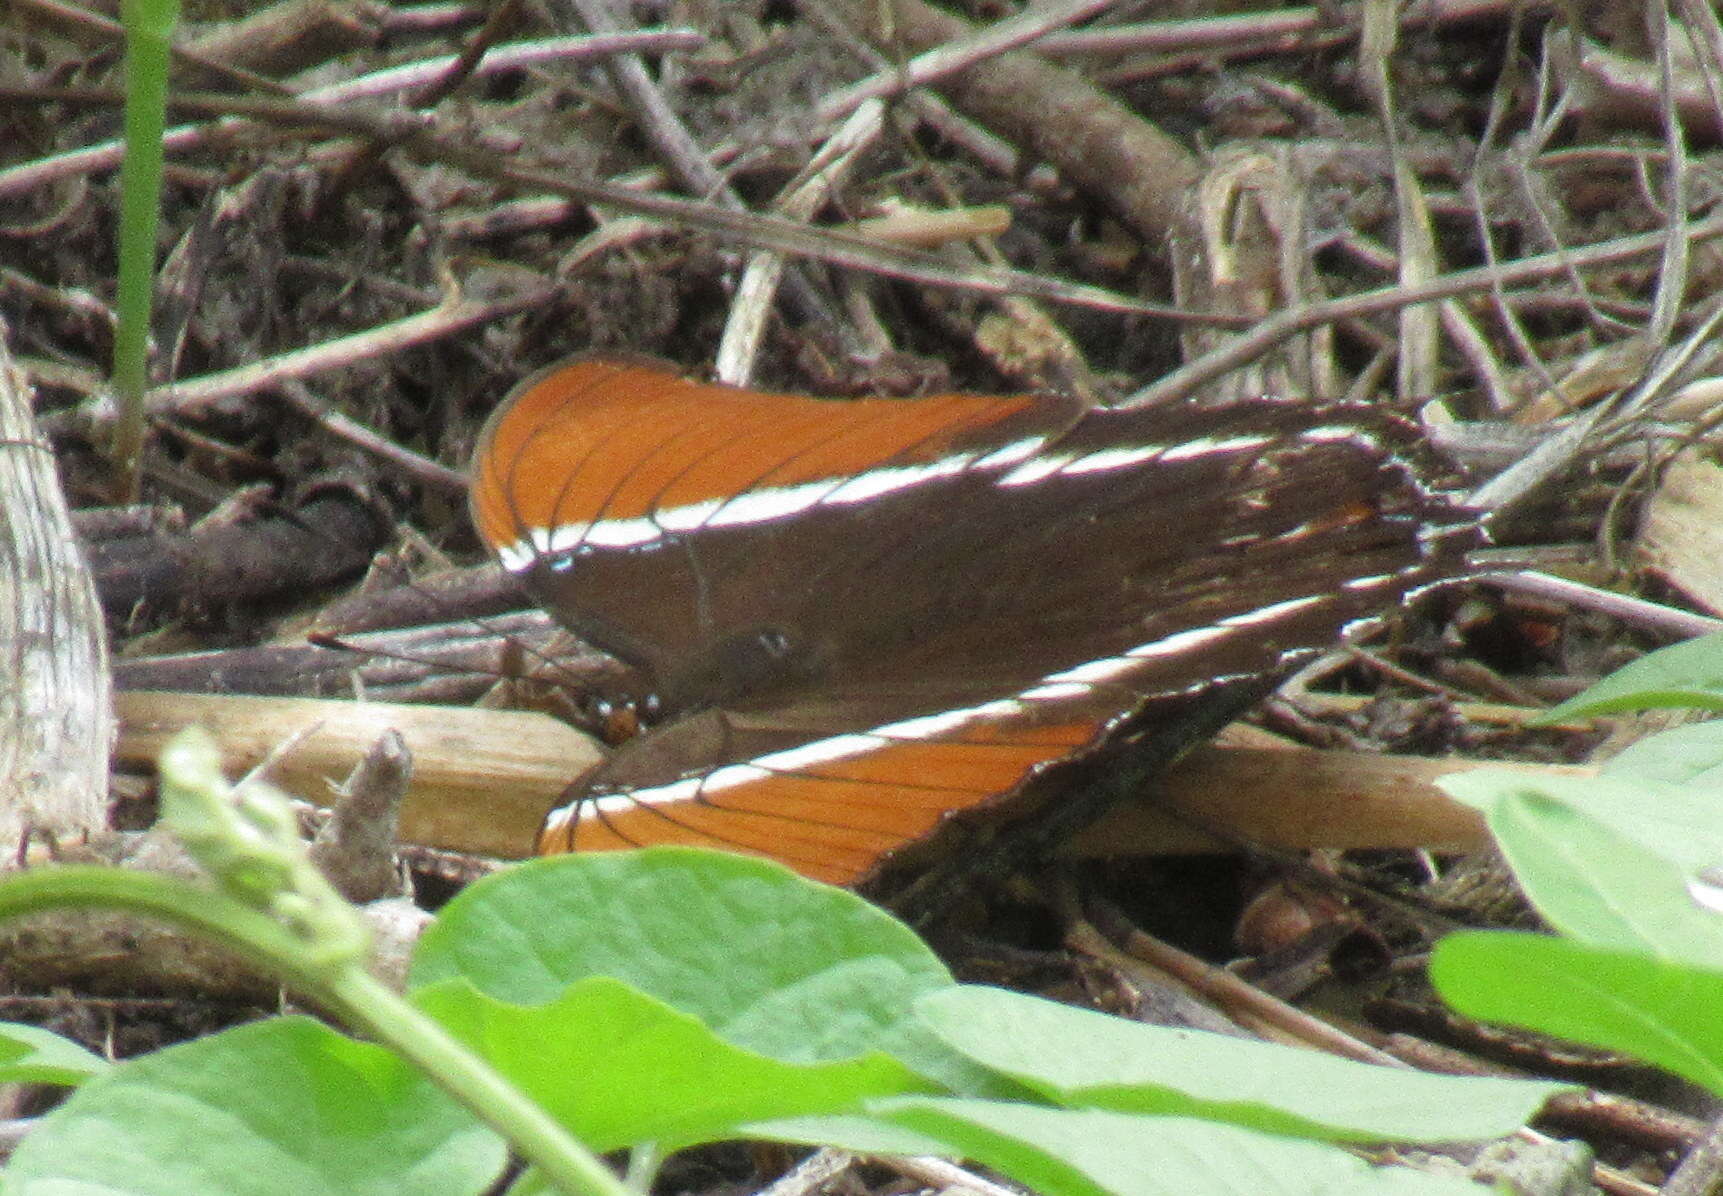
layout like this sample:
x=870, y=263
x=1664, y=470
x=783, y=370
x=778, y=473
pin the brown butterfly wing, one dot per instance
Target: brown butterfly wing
x=874, y=613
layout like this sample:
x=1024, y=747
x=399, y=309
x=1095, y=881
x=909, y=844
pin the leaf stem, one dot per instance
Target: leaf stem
x=345, y=990
x=365, y=1004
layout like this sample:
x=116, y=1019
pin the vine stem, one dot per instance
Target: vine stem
x=343, y=987
x=366, y=1004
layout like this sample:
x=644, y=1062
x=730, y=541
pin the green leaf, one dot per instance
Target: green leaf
x=1091, y=1152
x=32, y=1055
x=1683, y=823
x=1077, y=1057
x=285, y=1105
x=619, y=1068
x=1610, y=862
x=799, y=971
x=1684, y=674
x=1665, y=1013
x=1687, y=755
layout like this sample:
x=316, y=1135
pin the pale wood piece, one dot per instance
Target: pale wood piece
x=1296, y=798
x=55, y=722
x=483, y=780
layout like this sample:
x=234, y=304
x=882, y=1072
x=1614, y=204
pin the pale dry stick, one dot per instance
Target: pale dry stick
x=106, y=155
x=453, y=663
x=1373, y=375
x=412, y=132
x=1632, y=87
x=1240, y=1000
x=612, y=233
x=995, y=153
x=540, y=211
x=526, y=214
x=687, y=162
x=876, y=338
x=499, y=22
x=280, y=37
x=928, y=228
x=420, y=20
x=1504, y=99
x=822, y=244
x=75, y=301
x=1386, y=668
x=362, y=159
x=1697, y=402
x=70, y=16
x=1416, y=367
x=1292, y=799
x=1112, y=135
x=944, y=1176
x=1457, y=322
x=1700, y=1173
x=1669, y=366
x=1556, y=454
x=415, y=465
x=960, y=54
x=1544, y=128
x=811, y=1174
x=1245, y=33
x=447, y=318
x=662, y=126
x=43, y=372
x=852, y=252
x=512, y=56
x=1698, y=21
x=1097, y=143
x=1506, y=316
x=1671, y=290
x=277, y=751
x=1548, y=459
x=1195, y=375
x=1637, y=612
x=802, y=200
x=1490, y=714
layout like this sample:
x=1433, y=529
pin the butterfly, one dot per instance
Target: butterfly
x=847, y=620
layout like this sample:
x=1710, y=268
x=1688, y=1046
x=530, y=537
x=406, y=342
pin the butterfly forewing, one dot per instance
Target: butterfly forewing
x=676, y=524
x=870, y=614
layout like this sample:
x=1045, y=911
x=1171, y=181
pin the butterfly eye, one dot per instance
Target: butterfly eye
x=614, y=721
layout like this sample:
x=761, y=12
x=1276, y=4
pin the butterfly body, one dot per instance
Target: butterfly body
x=858, y=616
